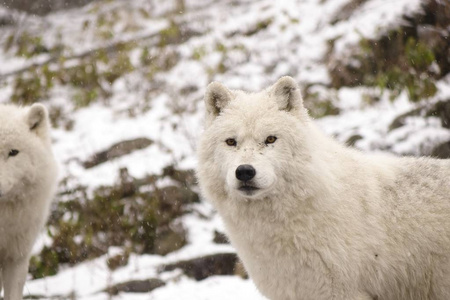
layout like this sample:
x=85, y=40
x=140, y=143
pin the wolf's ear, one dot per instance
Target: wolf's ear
x=287, y=94
x=216, y=98
x=37, y=120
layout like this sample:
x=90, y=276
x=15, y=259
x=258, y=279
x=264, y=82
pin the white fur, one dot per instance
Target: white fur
x=328, y=222
x=27, y=186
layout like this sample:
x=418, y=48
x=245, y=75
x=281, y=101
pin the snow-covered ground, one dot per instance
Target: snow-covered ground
x=88, y=280
x=244, y=44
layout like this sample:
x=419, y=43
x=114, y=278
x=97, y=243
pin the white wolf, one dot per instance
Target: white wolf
x=28, y=175
x=311, y=219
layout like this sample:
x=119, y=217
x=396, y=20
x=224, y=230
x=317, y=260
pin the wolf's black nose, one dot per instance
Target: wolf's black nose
x=245, y=172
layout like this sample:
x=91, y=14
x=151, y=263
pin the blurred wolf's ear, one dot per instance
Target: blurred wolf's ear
x=216, y=98
x=286, y=93
x=37, y=120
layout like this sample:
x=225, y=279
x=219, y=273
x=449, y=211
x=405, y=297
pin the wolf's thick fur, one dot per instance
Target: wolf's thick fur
x=319, y=220
x=28, y=175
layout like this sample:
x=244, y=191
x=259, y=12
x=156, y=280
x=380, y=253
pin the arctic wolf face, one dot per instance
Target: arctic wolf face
x=250, y=139
x=23, y=148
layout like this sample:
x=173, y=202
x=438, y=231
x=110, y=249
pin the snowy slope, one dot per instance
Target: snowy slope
x=244, y=44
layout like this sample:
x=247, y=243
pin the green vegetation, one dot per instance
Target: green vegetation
x=410, y=73
x=26, y=45
x=164, y=60
x=397, y=62
x=84, y=78
x=84, y=226
x=318, y=106
x=261, y=25
x=199, y=53
x=88, y=77
x=170, y=35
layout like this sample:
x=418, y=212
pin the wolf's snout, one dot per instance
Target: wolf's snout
x=245, y=172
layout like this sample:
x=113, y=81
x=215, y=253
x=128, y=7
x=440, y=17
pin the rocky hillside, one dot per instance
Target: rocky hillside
x=124, y=82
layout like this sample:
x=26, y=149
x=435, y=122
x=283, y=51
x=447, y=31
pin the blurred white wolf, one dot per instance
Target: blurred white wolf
x=314, y=220
x=28, y=174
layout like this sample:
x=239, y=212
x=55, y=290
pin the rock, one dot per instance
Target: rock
x=188, y=89
x=168, y=240
x=6, y=19
x=433, y=37
x=136, y=286
x=399, y=121
x=351, y=141
x=185, y=177
x=240, y=270
x=31, y=296
x=176, y=196
x=441, y=110
x=220, y=238
x=203, y=267
x=441, y=151
x=117, y=261
x=127, y=186
x=117, y=150
x=346, y=11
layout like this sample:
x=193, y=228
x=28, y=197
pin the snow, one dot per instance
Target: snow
x=212, y=288
x=215, y=287
x=90, y=278
x=369, y=19
x=294, y=43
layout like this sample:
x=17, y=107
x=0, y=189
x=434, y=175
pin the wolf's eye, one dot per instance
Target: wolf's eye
x=13, y=152
x=270, y=139
x=231, y=142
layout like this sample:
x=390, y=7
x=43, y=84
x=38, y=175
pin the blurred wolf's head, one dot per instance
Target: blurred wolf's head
x=24, y=149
